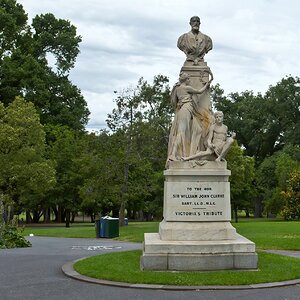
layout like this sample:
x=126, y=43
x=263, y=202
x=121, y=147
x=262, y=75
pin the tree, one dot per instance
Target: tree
x=25, y=174
x=241, y=179
x=63, y=147
x=273, y=174
x=291, y=197
x=142, y=119
x=26, y=69
x=265, y=124
x=101, y=169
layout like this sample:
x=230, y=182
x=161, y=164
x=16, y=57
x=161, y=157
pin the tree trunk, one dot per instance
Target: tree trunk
x=92, y=218
x=235, y=209
x=46, y=213
x=28, y=217
x=68, y=217
x=59, y=214
x=123, y=196
x=55, y=211
x=73, y=217
x=36, y=215
x=124, y=189
x=258, y=208
x=2, y=211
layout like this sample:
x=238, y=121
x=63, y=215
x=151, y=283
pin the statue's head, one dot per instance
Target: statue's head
x=219, y=116
x=183, y=76
x=195, y=22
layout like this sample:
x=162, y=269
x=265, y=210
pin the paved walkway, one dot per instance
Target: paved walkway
x=35, y=273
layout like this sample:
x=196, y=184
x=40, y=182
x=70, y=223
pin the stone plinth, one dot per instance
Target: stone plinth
x=196, y=233
x=198, y=255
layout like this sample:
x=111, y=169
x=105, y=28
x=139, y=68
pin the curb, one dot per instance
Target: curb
x=69, y=271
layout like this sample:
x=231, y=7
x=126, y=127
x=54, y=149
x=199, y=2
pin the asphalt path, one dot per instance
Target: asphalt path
x=35, y=273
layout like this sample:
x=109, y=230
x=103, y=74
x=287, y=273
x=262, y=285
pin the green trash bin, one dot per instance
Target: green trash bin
x=109, y=227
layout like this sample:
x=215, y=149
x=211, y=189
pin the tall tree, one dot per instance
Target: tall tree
x=25, y=175
x=291, y=197
x=26, y=67
x=143, y=117
x=241, y=179
x=64, y=149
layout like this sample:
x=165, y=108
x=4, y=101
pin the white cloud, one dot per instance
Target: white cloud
x=256, y=43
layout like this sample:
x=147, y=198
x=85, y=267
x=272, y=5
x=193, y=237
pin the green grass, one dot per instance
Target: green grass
x=78, y=230
x=125, y=267
x=271, y=234
x=265, y=233
x=134, y=232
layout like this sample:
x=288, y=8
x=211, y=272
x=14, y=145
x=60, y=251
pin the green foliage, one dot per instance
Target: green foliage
x=242, y=190
x=268, y=128
x=25, y=175
x=263, y=123
x=291, y=208
x=10, y=235
x=273, y=174
x=63, y=148
x=26, y=66
x=140, y=127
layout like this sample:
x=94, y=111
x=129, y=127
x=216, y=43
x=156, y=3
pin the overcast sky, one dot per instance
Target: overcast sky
x=256, y=43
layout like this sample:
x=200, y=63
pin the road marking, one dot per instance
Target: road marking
x=95, y=248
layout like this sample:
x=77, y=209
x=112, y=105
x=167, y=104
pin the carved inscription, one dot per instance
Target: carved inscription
x=197, y=201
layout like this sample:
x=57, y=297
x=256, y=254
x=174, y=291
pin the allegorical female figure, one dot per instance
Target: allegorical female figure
x=181, y=130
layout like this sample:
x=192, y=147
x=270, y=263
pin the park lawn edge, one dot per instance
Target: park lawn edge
x=266, y=235
x=125, y=267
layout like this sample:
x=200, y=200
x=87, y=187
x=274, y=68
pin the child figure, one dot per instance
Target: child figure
x=218, y=142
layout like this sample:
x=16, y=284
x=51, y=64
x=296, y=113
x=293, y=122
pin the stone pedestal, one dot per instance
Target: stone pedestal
x=196, y=233
x=199, y=76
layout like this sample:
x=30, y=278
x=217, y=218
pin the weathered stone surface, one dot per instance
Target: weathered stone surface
x=196, y=231
x=198, y=194
x=194, y=242
x=153, y=244
x=198, y=255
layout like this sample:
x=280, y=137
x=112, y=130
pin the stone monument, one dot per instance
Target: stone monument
x=196, y=233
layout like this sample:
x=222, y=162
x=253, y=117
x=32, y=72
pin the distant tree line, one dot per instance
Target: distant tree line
x=51, y=165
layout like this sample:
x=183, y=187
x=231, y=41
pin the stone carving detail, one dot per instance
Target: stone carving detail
x=194, y=44
x=185, y=111
x=196, y=233
x=218, y=142
x=195, y=134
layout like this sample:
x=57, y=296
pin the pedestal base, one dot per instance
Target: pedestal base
x=197, y=255
x=196, y=231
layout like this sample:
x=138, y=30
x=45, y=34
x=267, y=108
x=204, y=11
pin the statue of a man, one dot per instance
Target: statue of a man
x=194, y=44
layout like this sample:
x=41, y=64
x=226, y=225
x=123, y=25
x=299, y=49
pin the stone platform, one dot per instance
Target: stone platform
x=198, y=255
x=196, y=233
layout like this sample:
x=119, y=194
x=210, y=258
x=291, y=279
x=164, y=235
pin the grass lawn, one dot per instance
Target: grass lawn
x=124, y=267
x=271, y=234
x=265, y=234
x=77, y=230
